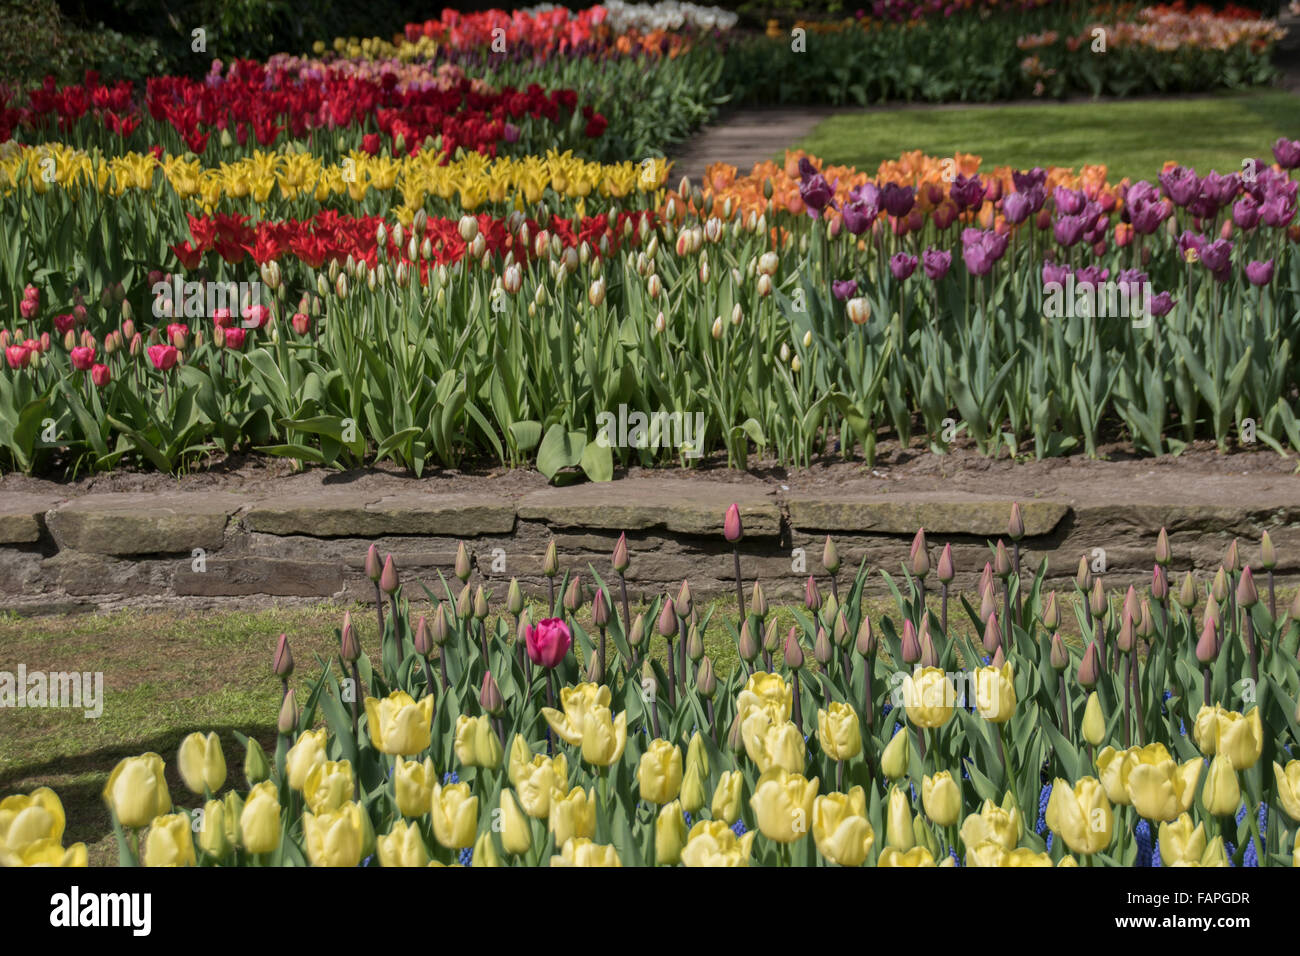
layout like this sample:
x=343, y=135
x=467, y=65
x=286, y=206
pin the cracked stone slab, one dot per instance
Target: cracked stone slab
x=354, y=515
x=936, y=512
x=22, y=517
x=123, y=523
x=680, y=506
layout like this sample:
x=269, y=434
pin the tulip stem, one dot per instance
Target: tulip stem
x=379, y=609
x=943, y=618
x=627, y=614
x=602, y=655
x=1015, y=554
x=740, y=590
x=672, y=675
x=1250, y=645
x=1272, y=598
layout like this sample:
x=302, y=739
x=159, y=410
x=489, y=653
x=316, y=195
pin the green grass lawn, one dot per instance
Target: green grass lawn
x=1133, y=139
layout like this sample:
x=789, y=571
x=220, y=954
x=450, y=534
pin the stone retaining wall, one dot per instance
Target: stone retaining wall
x=215, y=549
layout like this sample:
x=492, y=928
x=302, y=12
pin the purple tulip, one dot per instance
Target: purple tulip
x=967, y=192
x=936, y=263
x=1029, y=179
x=1191, y=241
x=858, y=217
x=1068, y=230
x=1221, y=189
x=1016, y=207
x=1147, y=216
x=902, y=265
x=1091, y=275
x=1161, y=304
x=1132, y=280
x=1260, y=273
x=867, y=193
x=1217, y=257
x=1180, y=184
x=814, y=190
x=844, y=289
x=897, y=200
x=1069, y=202
x=1141, y=192
x=1054, y=274
x=1287, y=153
x=1245, y=213
x=980, y=249
x=1279, y=209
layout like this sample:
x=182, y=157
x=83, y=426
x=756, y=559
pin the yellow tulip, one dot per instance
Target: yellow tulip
x=1094, y=723
x=1238, y=737
x=897, y=753
x=1026, y=857
x=898, y=821
x=941, y=798
x=136, y=790
x=1180, y=841
x=518, y=758
x=838, y=733
x=1222, y=792
x=336, y=837
x=1114, y=767
x=916, y=857
x=402, y=846
x=413, y=782
x=27, y=819
x=576, y=703
x=170, y=841
x=714, y=843
x=772, y=745
x=1214, y=855
x=455, y=815
x=329, y=786
x=477, y=744
x=259, y=823
x=516, y=833
x=580, y=851
x=928, y=697
x=398, y=725
x=694, y=780
x=670, y=834
x=767, y=692
x=727, y=796
x=995, y=693
x=485, y=851
x=1288, y=787
x=47, y=853
x=987, y=853
x=603, y=737
x=537, y=779
x=1081, y=816
x=307, y=752
x=993, y=824
x=783, y=804
x=201, y=763
x=1067, y=861
x=659, y=774
x=1159, y=788
x=214, y=837
x=841, y=829
x=572, y=814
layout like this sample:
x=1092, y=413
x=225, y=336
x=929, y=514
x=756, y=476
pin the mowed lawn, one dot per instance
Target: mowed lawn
x=1132, y=139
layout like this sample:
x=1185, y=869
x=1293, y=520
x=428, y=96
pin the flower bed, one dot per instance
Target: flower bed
x=481, y=739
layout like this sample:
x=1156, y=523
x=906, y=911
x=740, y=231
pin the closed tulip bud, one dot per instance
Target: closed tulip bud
x=920, y=563
x=1097, y=600
x=349, y=649
x=772, y=637
x=620, y=558
x=988, y=606
x=865, y=641
x=822, y=649
x=468, y=227
x=894, y=759
x=1051, y=615
x=136, y=791
x=1145, y=625
x=288, y=719
x=764, y=286
x=1222, y=792
x=685, y=602
x=830, y=556
x=551, y=563
x=946, y=571
x=282, y=663
x=706, y=682
x=758, y=601
x=840, y=631
x=1124, y=641
x=1187, y=595
x=462, y=563
x=170, y=841
x=1016, y=525
x=1247, y=596
x=256, y=766
x=516, y=833
x=941, y=798
x=747, y=646
x=732, y=529
x=694, y=644
x=441, y=629
x=735, y=738
x=716, y=331
x=341, y=286
x=213, y=837
x=1159, y=583
x=1219, y=588
x=1083, y=577
x=1060, y=654
x=830, y=608
x=480, y=603
x=1232, y=560
x=514, y=598
x=489, y=696
x=1001, y=561
x=638, y=631
x=911, y=643
x=929, y=656
x=1212, y=612
x=986, y=580
x=388, y=576
x=812, y=598
x=858, y=310
x=1090, y=666
x=1094, y=721
x=1162, y=548
x=465, y=603
x=423, y=639
x=667, y=620
x=796, y=364
x=898, y=821
x=793, y=651
x=1267, y=556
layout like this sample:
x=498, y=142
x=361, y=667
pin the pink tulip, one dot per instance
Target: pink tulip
x=731, y=527
x=101, y=375
x=234, y=337
x=222, y=319
x=164, y=357
x=18, y=356
x=83, y=357
x=548, y=641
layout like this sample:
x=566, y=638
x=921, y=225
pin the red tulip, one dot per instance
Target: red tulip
x=164, y=357
x=548, y=641
x=234, y=337
x=83, y=357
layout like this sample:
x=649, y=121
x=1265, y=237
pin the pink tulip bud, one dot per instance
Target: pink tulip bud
x=812, y=598
x=388, y=576
x=685, y=602
x=865, y=643
x=830, y=556
x=1159, y=583
x=288, y=719
x=1002, y=561
x=929, y=655
x=731, y=526
x=668, y=620
x=1247, y=596
x=423, y=639
x=1060, y=654
x=489, y=696
x=620, y=558
x=793, y=651
x=1207, y=646
x=992, y=634
x=349, y=649
x=282, y=664
x=1162, y=547
x=1090, y=666
x=599, y=609
x=462, y=567
x=911, y=643
x=1016, y=526
x=373, y=566
x=100, y=375
x=946, y=570
x=748, y=647
x=998, y=659
x=1232, y=561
